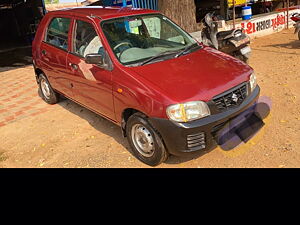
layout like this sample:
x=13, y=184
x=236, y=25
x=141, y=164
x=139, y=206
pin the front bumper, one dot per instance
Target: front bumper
x=175, y=134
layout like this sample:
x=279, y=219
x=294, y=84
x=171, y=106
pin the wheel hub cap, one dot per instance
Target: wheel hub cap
x=45, y=89
x=142, y=140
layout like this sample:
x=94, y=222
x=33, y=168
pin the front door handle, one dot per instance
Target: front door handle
x=73, y=66
x=44, y=52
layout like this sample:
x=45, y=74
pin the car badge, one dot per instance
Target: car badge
x=234, y=98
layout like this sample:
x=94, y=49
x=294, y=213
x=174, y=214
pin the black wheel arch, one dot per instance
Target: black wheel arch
x=38, y=72
x=125, y=116
x=127, y=113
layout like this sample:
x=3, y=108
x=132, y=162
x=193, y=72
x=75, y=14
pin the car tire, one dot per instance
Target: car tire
x=243, y=58
x=46, y=91
x=145, y=142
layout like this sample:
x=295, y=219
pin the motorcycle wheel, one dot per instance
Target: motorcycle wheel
x=243, y=58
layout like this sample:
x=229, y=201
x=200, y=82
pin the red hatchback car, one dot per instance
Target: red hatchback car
x=140, y=70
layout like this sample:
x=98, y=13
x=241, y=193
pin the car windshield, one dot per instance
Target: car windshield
x=139, y=38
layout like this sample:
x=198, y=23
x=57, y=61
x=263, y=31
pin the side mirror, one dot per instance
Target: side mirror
x=94, y=59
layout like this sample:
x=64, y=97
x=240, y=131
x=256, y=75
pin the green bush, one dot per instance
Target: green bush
x=51, y=1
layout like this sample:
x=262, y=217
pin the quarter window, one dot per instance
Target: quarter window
x=57, y=33
x=86, y=41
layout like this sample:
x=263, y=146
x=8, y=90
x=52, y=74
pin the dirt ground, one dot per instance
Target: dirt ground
x=67, y=135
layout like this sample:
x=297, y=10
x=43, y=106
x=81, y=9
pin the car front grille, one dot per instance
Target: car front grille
x=231, y=98
x=196, y=141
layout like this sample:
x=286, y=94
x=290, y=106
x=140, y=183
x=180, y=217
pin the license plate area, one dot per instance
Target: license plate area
x=238, y=43
x=245, y=50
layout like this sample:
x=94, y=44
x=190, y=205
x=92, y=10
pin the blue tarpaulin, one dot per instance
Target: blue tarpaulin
x=145, y=4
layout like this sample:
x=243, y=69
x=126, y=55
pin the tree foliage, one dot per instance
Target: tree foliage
x=51, y=1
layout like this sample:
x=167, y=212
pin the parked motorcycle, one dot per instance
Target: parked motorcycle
x=296, y=18
x=233, y=42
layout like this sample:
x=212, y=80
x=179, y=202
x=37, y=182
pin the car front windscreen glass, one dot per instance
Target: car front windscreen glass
x=138, y=38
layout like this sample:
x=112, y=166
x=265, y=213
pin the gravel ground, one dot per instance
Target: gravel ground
x=68, y=135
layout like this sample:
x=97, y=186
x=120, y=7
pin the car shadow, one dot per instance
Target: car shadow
x=97, y=122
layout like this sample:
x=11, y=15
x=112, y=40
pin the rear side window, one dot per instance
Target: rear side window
x=57, y=32
x=86, y=41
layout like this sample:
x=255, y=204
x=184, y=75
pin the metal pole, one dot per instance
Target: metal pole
x=44, y=7
x=288, y=10
x=233, y=14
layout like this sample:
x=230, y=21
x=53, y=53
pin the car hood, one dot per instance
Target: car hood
x=200, y=75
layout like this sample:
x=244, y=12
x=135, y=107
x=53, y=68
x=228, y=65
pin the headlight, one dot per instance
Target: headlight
x=253, y=81
x=188, y=111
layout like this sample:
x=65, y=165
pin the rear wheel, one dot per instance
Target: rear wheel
x=243, y=58
x=47, y=92
x=145, y=141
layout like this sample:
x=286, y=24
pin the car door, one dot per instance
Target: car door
x=91, y=84
x=54, y=52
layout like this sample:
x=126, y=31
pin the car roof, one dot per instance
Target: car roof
x=104, y=12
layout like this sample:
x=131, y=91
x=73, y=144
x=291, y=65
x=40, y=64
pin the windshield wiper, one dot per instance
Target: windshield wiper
x=187, y=48
x=157, y=56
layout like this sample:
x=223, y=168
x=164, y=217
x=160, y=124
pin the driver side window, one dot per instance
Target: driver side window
x=86, y=41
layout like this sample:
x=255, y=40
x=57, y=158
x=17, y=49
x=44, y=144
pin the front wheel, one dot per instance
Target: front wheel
x=145, y=141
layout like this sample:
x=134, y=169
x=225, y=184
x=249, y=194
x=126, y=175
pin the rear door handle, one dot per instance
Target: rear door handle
x=44, y=52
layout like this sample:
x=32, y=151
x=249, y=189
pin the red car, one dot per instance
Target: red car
x=140, y=70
